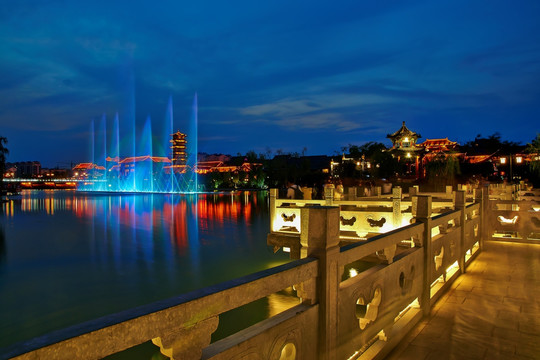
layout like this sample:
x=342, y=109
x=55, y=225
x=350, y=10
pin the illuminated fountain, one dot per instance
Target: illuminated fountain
x=153, y=164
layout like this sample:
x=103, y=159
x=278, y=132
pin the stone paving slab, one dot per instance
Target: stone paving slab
x=490, y=312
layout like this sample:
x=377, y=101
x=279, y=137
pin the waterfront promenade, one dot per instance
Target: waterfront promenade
x=490, y=312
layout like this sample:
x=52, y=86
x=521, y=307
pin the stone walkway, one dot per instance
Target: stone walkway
x=491, y=312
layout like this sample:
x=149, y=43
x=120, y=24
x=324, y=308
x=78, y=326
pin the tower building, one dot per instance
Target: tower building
x=178, y=148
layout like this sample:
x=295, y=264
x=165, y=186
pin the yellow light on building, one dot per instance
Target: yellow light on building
x=519, y=159
x=408, y=155
x=503, y=160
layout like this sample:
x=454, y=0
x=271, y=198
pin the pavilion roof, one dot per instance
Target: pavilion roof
x=88, y=166
x=438, y=142
x=402, y=132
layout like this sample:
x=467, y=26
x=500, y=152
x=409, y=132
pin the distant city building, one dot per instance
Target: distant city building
x=25, y=169
x=55, y=173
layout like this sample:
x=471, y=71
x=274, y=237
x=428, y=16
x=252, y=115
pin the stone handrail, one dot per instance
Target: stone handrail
x=513, y=220
x=360, y=219
x=181, y=326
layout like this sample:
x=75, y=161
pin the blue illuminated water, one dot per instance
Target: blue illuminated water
x=67, y=257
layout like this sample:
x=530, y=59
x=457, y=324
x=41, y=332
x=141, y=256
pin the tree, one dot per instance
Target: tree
x=490, y=145
x=533, y=148
x=442, y=170
x=3, y=156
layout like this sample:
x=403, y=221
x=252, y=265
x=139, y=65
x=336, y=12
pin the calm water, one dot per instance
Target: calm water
x=68, y=257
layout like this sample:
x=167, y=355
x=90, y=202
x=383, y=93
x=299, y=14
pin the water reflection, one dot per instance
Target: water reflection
x=88, y=255
x=2, y=244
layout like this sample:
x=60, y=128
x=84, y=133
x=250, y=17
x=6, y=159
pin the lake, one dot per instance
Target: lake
x=67, y=257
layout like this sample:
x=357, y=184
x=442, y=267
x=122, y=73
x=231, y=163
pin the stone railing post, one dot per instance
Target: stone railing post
x=273, y=197
x=319, y=238
x=396, y=206
x=328, y=196
x=479, y=198
x=413, y=191
x=423, y=215
x=351, y=194
x=187, y=342
x=460, y=204
x=378, y=191
x=449, y=191
x=486, y=213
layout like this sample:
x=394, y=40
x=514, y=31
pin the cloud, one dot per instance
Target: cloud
x=291, y=107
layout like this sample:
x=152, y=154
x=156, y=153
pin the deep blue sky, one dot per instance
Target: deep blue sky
x=269, y=75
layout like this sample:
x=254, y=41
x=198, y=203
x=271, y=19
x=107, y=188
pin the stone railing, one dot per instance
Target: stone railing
x=513, y=220
x=355, y=301
x=182, y=326
x=359, y=219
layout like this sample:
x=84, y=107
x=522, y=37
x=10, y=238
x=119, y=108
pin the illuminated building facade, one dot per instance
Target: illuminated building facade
x=438, y=145
x=85, y=170
x=178, y=148
x=405, y=148
x=404, y=139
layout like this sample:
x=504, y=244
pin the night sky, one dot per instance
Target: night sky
x=269, y=75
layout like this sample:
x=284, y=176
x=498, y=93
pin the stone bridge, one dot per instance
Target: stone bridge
x=358, y=296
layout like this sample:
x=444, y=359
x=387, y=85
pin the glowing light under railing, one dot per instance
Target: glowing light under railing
x=352, y=272
x=286, y=249
x=440, y=279
x=452, y=269
x=415, y=304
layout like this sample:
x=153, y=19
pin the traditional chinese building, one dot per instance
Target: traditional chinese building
x=416, y=156
x=178, y=148
x=438, y=145
x=404, y=147
x=85, y=170
x=404, y=139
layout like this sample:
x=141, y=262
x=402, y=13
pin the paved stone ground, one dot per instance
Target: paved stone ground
x=491, y=312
